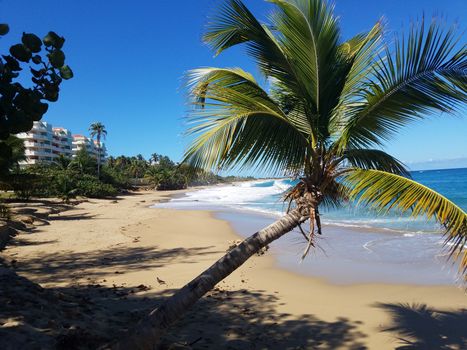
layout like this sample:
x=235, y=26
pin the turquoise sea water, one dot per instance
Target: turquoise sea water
x=451, y=183
x=357, y=244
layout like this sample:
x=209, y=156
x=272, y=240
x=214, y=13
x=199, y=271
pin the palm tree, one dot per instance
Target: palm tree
x=98, y=130
x=326, y=109
x=154, y=174
x=137, y=167
x=62, y=162
x=83, y=162
x=154, y=159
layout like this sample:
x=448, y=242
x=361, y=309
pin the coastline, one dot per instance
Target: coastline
x=129, y=244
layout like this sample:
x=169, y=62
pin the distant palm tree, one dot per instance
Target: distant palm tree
x=98, y=130
x=327, y=108
x=154, y=174
x=154, y=159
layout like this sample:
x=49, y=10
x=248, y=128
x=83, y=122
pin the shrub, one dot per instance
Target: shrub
x=64, y=186
x=90, y=186
x=25, y=185
x=115, y=178
x=172, y=181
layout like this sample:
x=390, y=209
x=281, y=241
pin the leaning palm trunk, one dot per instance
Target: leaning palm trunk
x=148, y=332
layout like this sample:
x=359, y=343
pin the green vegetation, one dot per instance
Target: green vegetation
x=20, y=106
x=159, y=172
x=67, y=178
x=11, y=153
x=83, y=175
x=329, y=106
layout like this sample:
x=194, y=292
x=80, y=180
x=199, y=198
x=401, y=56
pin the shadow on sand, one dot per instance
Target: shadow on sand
x=245, y=319
x=87, y=316
x=64, y=266
x=419, y=326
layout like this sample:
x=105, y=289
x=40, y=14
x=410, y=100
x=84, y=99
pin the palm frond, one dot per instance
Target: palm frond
x=335, y=194
x=374, y=159
x=308, y=32
x=383, y=191
x=360, y=54
x=424, y=74
x=234, y=24
x=361, y=51
x=239, y=125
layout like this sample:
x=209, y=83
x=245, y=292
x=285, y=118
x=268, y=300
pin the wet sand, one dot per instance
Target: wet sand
x=350, y=255
x=114, y=260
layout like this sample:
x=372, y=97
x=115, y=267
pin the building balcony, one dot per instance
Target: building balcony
x=38, y=153
x=57, y=148
x=36, y=145
x=33, y=136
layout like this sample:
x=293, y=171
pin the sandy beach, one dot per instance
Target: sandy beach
x=111, y=261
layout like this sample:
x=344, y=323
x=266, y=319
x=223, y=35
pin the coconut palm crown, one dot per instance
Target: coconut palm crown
x=327, y=107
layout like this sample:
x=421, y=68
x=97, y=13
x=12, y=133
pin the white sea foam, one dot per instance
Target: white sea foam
x=237, y=194
x=264, y=196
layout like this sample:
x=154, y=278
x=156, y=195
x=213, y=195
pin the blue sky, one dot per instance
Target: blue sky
x=129, y=58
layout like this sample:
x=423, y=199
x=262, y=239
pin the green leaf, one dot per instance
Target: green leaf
x=12, y=63
x=37, y=59
x=423, y=74
x=51, y=93
x=236, y=123
x=40, y=109
x=57, y=58
x=52, y=39
x=36, y=73
x=32, y=42
x=20, y=52
x=66, y=72
x=374, y=159
x=4, y=29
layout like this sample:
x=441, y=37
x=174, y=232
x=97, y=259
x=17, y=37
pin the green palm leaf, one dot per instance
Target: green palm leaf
x=360, y=53
x=374, y=159
x=309, y=33
x=234, y=24
x=383, y=191
x=238, y=124
x=424, y=74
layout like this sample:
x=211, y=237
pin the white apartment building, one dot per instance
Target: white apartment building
x=80, y=141
x=43, y=143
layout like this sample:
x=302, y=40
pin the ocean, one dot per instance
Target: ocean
x=358, y=245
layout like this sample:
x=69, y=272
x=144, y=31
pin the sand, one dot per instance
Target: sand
x=104, y=263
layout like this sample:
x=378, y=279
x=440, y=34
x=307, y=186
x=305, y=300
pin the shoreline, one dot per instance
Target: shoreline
x=124, y=245
x=350, y=261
